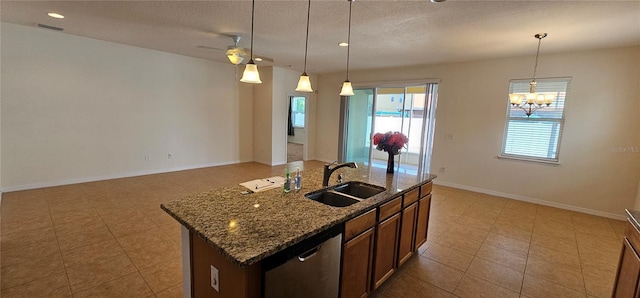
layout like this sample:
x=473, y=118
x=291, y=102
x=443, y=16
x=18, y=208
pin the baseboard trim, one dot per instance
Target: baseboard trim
x=532, y=200
x=115, y=176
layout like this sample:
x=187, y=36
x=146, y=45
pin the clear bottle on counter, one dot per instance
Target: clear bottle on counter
x=287, y=182
x=297, y=180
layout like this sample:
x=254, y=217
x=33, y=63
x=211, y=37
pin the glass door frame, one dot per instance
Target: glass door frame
x=344, y=119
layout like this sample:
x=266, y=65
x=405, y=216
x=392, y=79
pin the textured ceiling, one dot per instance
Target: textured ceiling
x=384, y=33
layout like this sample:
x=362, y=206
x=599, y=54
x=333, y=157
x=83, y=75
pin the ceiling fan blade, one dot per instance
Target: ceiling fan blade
x=209, y=48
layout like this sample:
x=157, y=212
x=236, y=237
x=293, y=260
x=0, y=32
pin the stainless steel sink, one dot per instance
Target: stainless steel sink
x=332, y=198
x=359, y=189
x=346, y=194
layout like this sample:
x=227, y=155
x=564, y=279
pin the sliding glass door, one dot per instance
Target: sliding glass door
x=409, y=109
x=359, y=113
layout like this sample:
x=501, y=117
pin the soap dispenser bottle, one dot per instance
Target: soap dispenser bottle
x=287, y=182
x=298, y=180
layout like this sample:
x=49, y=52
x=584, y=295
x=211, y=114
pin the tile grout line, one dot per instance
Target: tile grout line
x=64, y=266
x=125, y=253
x=526, y=261
x=584, y=282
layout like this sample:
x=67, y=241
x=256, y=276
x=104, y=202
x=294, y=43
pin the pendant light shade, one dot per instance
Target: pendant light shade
x=251, y=74
x=347, y=90
x=304, y=85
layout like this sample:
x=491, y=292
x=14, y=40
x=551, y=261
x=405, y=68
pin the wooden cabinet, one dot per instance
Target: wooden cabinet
x=357, y=255
x=422, y=222
x=375, y=246
x=628, y=276
x=407, y=232
x=386, y=249
x=235, y=281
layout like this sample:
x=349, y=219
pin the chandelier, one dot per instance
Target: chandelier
x=532, y=101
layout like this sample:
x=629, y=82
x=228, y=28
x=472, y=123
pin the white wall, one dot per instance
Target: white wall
x=262, y=116
x=601, y=113
x=270, y=114
x=285, y=82
x=77, y=109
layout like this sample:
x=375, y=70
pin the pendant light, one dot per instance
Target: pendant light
x=532, y=101
x=304, y=85
x=347, y=90
x=251, y=74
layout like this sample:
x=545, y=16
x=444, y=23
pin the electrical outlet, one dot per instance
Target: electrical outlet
x=169, y=156
x=147, y=157
x=448, y=136
x=215, y=279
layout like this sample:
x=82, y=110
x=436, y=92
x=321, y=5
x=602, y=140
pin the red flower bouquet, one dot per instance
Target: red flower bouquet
x=390, y=142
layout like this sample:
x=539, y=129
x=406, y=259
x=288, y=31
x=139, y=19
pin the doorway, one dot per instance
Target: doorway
x=409, y=109
x=297, y=128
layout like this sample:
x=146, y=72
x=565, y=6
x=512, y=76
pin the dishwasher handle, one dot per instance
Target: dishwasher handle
x=309, y=254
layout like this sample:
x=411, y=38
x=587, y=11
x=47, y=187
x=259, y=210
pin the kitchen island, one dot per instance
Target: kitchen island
x=237, y=233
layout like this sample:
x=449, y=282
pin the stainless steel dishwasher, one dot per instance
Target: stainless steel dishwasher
x=309, y=269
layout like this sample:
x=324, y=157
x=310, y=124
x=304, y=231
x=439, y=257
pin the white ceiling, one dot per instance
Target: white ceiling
x=384, y=33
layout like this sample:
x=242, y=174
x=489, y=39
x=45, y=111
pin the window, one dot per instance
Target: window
x=537, y=137
x=297, y=111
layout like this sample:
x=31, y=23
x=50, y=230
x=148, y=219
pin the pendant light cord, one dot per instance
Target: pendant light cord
x=535, y=67
x=253, y=6
x=349, y=38
x=306, y=45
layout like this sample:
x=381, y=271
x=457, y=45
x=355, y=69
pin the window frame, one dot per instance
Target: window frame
x=554, y=121
x=294, y=112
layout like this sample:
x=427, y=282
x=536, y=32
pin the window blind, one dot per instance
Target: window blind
x=536, y=137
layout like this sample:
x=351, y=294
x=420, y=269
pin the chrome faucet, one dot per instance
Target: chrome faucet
x=328, y=170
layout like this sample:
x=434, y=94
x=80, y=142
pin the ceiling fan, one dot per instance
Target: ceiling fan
x=236, y=54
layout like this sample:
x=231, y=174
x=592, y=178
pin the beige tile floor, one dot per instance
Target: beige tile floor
x=111, y=239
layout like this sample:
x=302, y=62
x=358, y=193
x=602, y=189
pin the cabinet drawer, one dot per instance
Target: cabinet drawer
x=359, y=224
x=390, y=208
x=425, y=189
x=410, y=197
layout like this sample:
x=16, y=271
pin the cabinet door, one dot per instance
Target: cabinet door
x=357, y=259
x=407, y=230
x=422, y=222
x=386, y=249
x=628, y=272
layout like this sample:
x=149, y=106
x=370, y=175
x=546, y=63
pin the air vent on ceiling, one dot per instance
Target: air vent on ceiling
x=50, y=27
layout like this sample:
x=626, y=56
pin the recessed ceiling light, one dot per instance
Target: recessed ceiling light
x=55, y=15
x=343, y=44
x=257, y=59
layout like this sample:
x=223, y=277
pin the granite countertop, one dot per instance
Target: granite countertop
x=249, y=228
x=634, y=217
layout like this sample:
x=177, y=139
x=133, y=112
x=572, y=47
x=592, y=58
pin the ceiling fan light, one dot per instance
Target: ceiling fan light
x=304, y=84
x=347, y=90
x=234, y=57
x=251, y=74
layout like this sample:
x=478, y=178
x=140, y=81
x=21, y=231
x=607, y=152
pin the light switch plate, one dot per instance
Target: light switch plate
x=215, y=279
